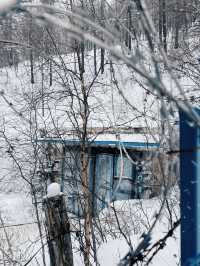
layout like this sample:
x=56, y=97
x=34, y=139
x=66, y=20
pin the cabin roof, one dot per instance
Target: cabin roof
x=141, y=141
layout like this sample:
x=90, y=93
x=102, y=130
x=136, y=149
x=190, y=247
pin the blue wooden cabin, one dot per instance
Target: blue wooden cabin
x=113, y=174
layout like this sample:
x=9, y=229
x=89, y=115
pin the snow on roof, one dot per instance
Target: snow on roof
x=109, y=140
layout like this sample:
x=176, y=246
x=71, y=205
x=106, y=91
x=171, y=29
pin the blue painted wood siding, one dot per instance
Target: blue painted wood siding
x=105, y=183
x=104, y=179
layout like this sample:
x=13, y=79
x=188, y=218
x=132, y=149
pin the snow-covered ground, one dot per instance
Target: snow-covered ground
x=18, y=228
x=135, y=217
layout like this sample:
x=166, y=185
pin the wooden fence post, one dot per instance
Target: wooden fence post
x=58, y=230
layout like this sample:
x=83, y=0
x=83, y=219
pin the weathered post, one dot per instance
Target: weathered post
x=190, y=190
x=58, y=230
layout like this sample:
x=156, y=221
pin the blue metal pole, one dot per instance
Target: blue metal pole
x=190, y=189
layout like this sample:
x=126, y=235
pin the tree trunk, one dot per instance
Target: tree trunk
x=177, y=19
x=164, y=20
x=50, y=73
x=160, y=24
x=85, y=178
x=31, y=62
x=95, y=59
x=103, y=24
x=87, y=212
x=129, y=26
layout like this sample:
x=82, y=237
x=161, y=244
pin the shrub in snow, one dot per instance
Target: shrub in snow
x=53, y=190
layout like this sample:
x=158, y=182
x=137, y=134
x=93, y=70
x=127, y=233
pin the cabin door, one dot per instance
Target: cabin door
x=104, y=180
x=124, y=175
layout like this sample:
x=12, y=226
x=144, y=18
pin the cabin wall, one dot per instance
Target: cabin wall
x=111, y=177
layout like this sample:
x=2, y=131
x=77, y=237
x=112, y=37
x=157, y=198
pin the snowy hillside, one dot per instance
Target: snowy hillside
x=108, y=107
x=27, y=109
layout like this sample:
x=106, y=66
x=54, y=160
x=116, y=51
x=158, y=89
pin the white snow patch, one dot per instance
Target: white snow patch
x=53, y=190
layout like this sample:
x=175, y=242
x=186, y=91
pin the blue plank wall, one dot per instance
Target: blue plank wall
x=104, y=173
